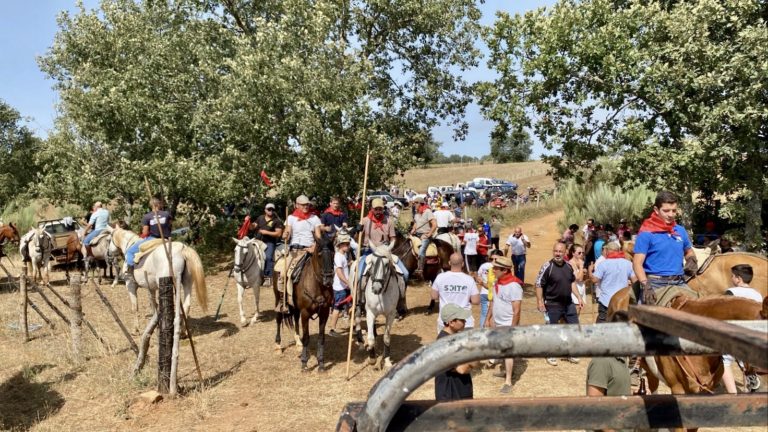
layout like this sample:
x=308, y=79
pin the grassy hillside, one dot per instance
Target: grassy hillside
x=524, y=173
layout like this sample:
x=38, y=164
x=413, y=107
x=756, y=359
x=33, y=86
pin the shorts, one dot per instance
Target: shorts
x=727, y=360
x=339, y=297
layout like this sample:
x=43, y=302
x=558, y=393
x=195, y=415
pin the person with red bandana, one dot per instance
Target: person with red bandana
x=504, y=310
x=424, y=226
x=660, y=248
x=333, y=217
x=302, y=227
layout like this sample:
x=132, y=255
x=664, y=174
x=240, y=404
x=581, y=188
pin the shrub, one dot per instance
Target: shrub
x=603, y=202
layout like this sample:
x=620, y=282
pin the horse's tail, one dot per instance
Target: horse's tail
x=195, y=267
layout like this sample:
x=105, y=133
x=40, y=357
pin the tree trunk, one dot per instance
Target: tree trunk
x=754, y=222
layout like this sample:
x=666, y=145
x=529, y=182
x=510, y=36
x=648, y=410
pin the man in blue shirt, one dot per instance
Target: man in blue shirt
x=98, y=221
x=613, y=275
x=660, y=248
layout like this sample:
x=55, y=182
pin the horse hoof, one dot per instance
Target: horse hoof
x=320, y=369
x=387, y=363
x=244, y=322
x=278, y=349
x=304, y=368
x=372, y=361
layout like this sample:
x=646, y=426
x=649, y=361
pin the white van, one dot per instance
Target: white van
x=483, y=182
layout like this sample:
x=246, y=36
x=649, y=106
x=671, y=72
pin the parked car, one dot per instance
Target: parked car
x=387, y=197
x=60, y=230
x=499, y=182
x=467, y=197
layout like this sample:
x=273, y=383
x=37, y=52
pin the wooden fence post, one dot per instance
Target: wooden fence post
x=165, y=336
x=76, y=323
x=23, y=321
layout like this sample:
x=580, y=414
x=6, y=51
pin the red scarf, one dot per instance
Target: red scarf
x=656, y=224
x=377, y=223
x=615, y=254
x=300, y=215
x=338, y=212
x=506, y=279
x=422, y=208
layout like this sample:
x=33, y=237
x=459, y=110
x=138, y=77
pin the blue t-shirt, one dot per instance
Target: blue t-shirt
x=599, y=248
x=663, y=252
x=99, y=219
x=487, y=229
x=330, y=219
x=614, y=274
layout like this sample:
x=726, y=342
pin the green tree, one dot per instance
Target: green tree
x=511, y=147
x=201, y=95
x=676, y=89
x=18, y=146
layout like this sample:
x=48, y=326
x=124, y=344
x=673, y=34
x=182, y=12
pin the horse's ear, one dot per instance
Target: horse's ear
x=235, y=240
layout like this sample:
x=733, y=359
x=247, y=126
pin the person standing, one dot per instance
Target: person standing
x=268, y=228
x=444, y=218
x=340, y=280
x=569, y=235
x=424, y=227
x=505, y=308
x=613, y=274
x=495, y=231
x=589, y=226
x=660, y=248
x=457, y=287
x=486, y=278
x=555, y=285
x=576, y=253
x=98, y=220
x=154, y=225
x=456, y=383
x=518, y=243
x=470, y=241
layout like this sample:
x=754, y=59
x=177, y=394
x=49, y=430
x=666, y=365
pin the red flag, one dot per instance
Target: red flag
x=243, y=231
x=265, y=178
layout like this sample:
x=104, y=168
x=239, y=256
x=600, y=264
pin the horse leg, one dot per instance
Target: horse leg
x=321, y=339
x=370, y=343
x=359, y=330
x=131, y=287
x=256, y=292
x=304, y=340
x=386, y=360
x=240, y=290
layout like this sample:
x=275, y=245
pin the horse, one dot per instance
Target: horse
x=187, y=271
x=35, y=248
x=101, y=255
x=404, y=250
x=312, y=295
x=8, y=233
x=383, y=289
x=249, y=265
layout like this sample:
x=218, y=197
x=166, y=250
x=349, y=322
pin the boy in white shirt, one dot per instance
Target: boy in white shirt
x=741, y=276
x=486, y=278
x=456, y=287
x=505, y=309
x=471, y=237
x=340, y=280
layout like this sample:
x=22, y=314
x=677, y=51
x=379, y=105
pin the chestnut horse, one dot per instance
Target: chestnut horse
x=403, y=248
x=8, y=233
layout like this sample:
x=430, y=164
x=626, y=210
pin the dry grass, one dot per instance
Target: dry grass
x=247, y=386
x=524, y=173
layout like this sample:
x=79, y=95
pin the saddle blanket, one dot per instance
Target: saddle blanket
x=290, y=264
x=431, y=249
x=146, y=248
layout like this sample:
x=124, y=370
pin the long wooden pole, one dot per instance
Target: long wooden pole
x=357, y=261
x=23, y=318
x=116, y=317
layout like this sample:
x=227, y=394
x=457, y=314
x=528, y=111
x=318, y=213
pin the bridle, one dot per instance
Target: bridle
x=379, y=273
x=250, y=258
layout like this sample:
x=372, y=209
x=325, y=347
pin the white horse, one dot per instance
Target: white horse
x=35, y=248
x=383, y=288
x=101, y=252
x=249, y=266
x=187, y=271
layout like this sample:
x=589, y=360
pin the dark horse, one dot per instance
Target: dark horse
x=312, y=295
x=75, y=254
x=432, y=267
x=8, y=233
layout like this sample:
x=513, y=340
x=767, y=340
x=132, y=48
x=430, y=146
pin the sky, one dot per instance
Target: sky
x=27, y=30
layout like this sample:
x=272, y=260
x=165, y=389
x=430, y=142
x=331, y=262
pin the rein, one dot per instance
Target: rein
x=243, y=267
x=385, y=272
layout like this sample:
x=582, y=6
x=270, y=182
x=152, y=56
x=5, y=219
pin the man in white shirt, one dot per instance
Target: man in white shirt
x=471, y=237
x=302, y=227
x=505, y=308
x=444, y=218
x=456, y=287
x=518, y=243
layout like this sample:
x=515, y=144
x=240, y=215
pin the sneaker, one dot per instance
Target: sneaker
x=552, y=361
x=573, y=360
x=506, y=388
x=334, y=333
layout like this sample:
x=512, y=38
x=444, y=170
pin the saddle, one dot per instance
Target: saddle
x=98, y=238
x=452, y=239
x=290, y=263
x=431, y=249
x=146, y=248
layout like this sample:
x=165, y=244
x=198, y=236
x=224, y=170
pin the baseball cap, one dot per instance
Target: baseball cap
x=302, y=199
x=377, y=202
x=418, y=199
x=445, y=204
x=452, y=311
x=270, y=206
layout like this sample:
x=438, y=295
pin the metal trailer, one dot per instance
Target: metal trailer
x=655, y=331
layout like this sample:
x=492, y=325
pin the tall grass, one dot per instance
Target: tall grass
x=26, y=214
x=605, y=203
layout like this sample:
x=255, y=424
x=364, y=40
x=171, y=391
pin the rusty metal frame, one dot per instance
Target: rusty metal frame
x=612, y=339
x=744, y=344
x=643, y=412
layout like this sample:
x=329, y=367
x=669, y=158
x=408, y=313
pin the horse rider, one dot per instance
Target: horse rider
x=150, y=230
x=98, y=221
x=424, y=226
x=378, y=230
x=269, y=228
x=334, y=216
x=302, y=227
x=444, y=218
x=660, y=247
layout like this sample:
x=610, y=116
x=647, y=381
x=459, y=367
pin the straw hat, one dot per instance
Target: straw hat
x=503, y=262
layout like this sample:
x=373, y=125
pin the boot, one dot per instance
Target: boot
x=88, y=251
x=420, y=268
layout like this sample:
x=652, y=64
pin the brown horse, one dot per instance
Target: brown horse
x=403, y=248
x=8, y=233
x=312, y=295
x=76, y=251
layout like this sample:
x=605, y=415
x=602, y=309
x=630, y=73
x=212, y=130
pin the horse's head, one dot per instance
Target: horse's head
x=326, y=251
x=14, y=236
x=41, y=243
x=378, y=273
x=246, y=252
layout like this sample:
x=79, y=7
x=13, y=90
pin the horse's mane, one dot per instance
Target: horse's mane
x=120, y=233
x=752, y=254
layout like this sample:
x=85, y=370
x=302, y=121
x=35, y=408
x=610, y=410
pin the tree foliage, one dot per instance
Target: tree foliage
x=17, y=146
x=677, y=89
x=201, y=95
x=513, y=146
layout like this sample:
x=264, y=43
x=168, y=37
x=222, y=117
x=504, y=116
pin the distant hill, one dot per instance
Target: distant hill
x=525, y=174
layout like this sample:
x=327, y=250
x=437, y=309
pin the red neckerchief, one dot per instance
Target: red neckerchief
x=506, y=279
x=338, y=212
x=377, y=223
x=422, y=208
x=614, y=254
x=300, y=215
x=656, y=224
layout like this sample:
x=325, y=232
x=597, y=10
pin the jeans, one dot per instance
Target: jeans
x=519, y=262
x=483, y=309
x=133, y=249
x=91, y=235
x=269, y=259
x=423, y=248
x=557, y=311
x=602, y=313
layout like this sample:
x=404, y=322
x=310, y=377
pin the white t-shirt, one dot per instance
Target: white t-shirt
x=471, y=239
x=517, y=245
x=746, y=292
x=340, y=261
x=482, y=272
x=502, y=303
x=597, y=285
x=302, y=230
x=443, y=218
x=456, y=288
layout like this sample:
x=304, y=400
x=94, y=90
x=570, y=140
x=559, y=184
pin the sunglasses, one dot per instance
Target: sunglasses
x=579, y=253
